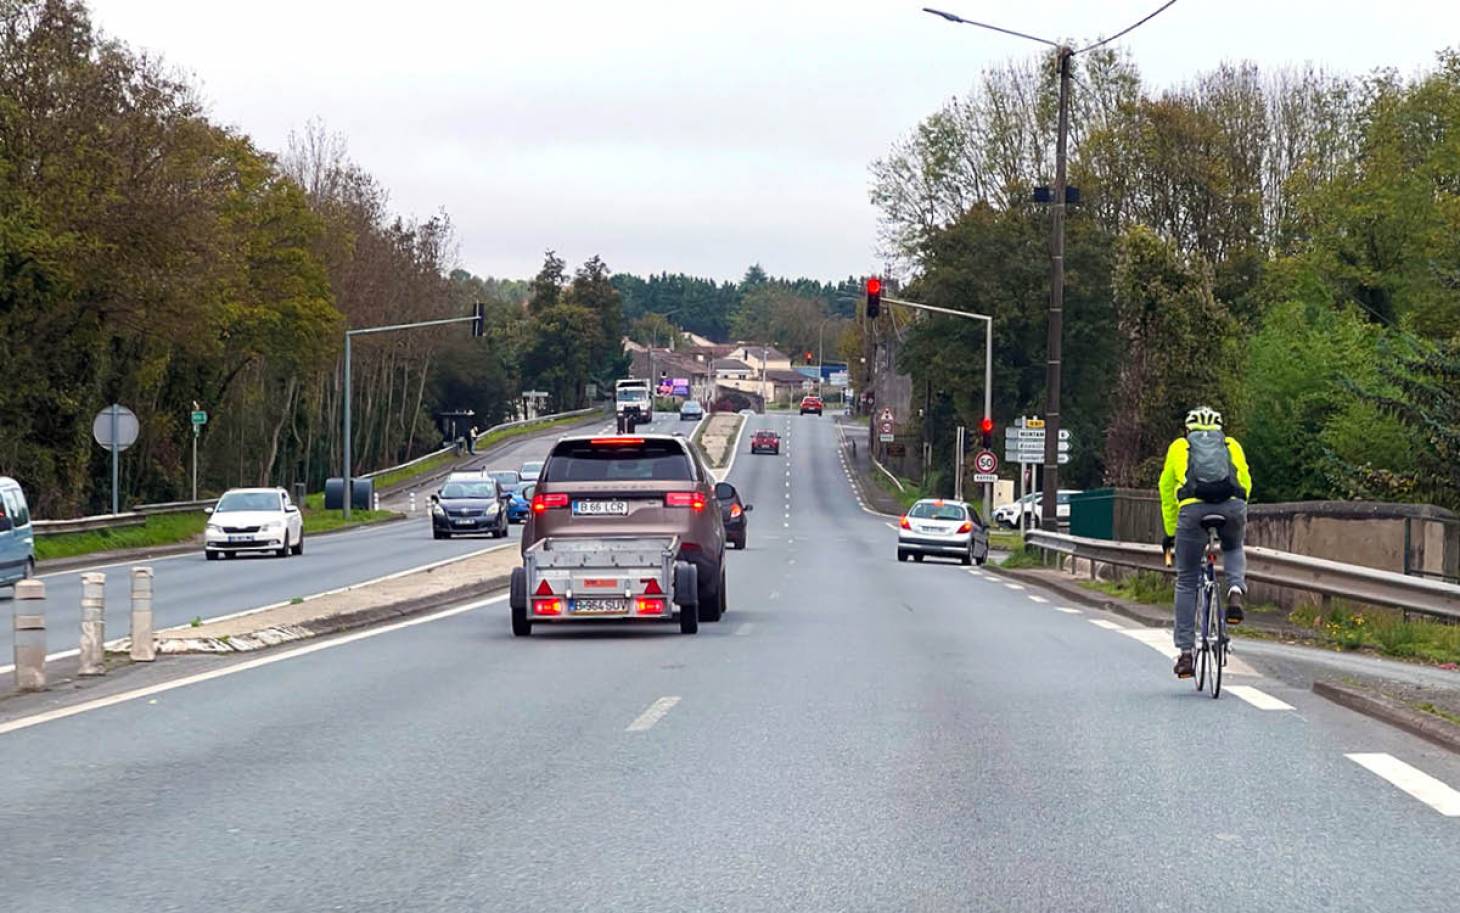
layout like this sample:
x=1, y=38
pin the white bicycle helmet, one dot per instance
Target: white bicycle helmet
x=1203, y=418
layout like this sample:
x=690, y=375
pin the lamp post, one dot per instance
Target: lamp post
x=1049, y=519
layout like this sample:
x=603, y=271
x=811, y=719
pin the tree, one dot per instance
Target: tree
x=1177, y=349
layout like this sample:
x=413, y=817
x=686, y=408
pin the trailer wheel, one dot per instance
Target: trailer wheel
x=687, y=597
x=521, y=627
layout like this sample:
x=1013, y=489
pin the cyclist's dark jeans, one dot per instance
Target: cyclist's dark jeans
x=1191, y=542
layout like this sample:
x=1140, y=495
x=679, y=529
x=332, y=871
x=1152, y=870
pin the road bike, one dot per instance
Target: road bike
x=1214, y=644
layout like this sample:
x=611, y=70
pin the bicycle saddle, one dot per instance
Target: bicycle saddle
x=1213, y=521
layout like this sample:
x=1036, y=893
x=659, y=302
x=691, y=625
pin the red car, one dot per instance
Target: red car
x=765, y=442
x=811, y=404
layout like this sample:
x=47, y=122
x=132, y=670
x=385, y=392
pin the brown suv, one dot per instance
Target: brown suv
x=635, y=485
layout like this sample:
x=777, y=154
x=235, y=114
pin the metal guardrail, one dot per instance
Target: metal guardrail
x=134, y=517
x=1268, y=565
x=448, y=448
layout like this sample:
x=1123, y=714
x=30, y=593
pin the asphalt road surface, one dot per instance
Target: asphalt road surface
x=188, y=586
x=856, y=734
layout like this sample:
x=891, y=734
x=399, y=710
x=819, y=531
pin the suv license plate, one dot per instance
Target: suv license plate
x=601, y=508
x=599, y=606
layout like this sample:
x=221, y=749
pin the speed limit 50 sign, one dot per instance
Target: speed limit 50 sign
x=986, y=462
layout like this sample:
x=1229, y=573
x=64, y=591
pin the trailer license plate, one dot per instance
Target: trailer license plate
x=598, y=606
x=601, y=508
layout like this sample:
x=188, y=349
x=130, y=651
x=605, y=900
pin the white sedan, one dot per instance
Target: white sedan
x=254, y=520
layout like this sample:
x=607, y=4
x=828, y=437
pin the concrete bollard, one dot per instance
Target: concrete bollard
x=30, y=635
x=143, y=648
x=375, y=503
x=413, y=503
x=93, y=623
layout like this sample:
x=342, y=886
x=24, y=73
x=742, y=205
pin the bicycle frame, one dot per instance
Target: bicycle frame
x=1213, y=622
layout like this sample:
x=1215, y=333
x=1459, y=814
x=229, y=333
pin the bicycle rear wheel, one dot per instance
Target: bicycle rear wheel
x=1203, y=645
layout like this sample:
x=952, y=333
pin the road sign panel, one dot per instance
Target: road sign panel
x=885, y=438
x=1031, y=457
x=126, y=425
x=885, y=415
x=1023, y=445
x=986, y=462
x=200, y=417
x=1034, y=423
x=982, y=477
x=1031, y=434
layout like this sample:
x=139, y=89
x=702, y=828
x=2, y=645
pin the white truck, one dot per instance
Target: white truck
x=633, y=403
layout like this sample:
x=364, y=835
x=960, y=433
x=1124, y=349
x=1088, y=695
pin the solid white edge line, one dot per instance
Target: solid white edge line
x=1107, y=625
x=654, y=714
x=111, y=700
x=50, y=657
x=1258, y=698
x=1435, y=793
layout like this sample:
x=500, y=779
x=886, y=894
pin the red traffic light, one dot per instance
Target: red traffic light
x=987, y=425
x=874, y=286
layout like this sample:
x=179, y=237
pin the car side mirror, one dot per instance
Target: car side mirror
x=436, y=497
x=748, y=508
x=724, y=491
x=293, y=508
x=207, y=510
x=528, y=491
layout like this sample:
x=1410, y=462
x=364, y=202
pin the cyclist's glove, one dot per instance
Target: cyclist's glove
x=1168, y=544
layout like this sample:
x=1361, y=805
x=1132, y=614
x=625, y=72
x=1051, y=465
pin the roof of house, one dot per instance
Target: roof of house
x=754, y=350
x=731, y=364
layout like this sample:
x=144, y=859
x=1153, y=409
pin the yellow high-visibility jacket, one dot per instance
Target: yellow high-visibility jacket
x=1173, y=477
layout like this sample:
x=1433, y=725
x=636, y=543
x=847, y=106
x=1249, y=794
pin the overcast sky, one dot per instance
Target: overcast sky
x=681, y=136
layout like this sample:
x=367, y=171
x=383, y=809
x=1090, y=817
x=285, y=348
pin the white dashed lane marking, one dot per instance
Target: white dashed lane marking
x=1434, y=793
x=1014, y=586
x=1067, y=610
x=1037, y=599
x=1102, y=623
x=654, y=714
x=1259, y=699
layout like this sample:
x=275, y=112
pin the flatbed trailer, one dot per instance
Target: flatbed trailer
x=567, y=579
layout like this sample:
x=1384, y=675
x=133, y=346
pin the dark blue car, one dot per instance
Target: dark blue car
x=509, y=480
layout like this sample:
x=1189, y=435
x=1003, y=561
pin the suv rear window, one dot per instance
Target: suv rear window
x=644, y=461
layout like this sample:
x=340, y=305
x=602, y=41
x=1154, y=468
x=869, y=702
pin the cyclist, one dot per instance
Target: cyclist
x=1206, y=473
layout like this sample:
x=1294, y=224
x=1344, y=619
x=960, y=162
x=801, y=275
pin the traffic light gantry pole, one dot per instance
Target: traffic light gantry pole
x=875, y=299
x=477, y=319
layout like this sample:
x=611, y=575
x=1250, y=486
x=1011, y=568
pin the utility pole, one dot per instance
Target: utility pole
x=1053, y=347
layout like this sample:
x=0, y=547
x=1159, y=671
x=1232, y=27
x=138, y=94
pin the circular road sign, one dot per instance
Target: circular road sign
x=127, y=427
x=986, y=461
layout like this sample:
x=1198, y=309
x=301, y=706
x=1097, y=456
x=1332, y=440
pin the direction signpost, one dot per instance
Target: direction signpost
x=1024, y=443
x=200, y=418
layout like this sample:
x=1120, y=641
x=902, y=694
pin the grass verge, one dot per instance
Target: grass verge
x=1021, y=557
x=1009, y=540
x=910, y=493
x=160, y=529
x=171, y=529
x=1343, y=626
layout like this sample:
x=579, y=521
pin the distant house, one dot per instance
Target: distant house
x=761, y=356
x=733, y=369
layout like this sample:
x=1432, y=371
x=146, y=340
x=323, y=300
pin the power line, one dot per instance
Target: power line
x=1130, y=28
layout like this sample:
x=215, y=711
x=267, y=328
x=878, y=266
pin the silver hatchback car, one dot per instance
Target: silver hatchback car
x=951, y=529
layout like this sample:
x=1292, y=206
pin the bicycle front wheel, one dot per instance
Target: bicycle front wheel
x=1203, y=644
x=1219, y=658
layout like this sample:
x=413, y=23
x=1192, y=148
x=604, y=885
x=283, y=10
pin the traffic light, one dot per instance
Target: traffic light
x=874, y=297
x=479, y=320
x=986, y=432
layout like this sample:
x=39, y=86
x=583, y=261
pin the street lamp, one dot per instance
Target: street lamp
x=1049, y=519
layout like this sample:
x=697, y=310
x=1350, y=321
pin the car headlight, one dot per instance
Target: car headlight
x=214, y=527
x=437, y=510
x=493, y=508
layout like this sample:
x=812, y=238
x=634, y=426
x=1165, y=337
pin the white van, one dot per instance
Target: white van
x=17, y=538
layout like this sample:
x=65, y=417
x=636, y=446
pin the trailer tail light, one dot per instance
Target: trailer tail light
x=649, y=606
x=553, y=606
x=967, y=527
x=694, y=500
x=541, y=503
x=904, y=524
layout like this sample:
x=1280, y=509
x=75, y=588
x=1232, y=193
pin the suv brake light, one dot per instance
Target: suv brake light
x=544, y=502
x=694, y=500
x=616, y=442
